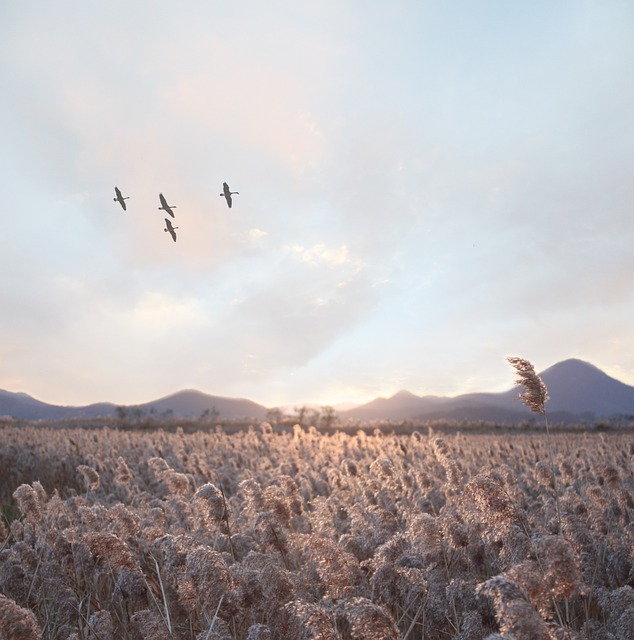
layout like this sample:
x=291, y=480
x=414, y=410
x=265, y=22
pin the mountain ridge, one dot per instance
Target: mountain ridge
x=577, y=389
x=187, y=403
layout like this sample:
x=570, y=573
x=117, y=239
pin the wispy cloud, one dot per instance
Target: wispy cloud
x=320, y=254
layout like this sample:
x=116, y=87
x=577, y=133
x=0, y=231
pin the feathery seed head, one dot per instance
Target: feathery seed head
x=210, y=499
x=29, y=505
x=111, y=549
x=562, y=577
x=493, y=502
x=535, y=394
x=369, y=620
x=101, y=626
x=150, y=625
x=515, y=614
x=16, y=623
x=123, y=473
x=90, y=476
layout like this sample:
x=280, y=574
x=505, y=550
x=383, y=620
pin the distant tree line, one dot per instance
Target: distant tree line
x=325, y=417
x=138, y=414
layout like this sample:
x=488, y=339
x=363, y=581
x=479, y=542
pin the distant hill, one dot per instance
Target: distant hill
x=23, y=406
x=575, y=385
x=193, y=404
x=578, y=390
x=184, y=404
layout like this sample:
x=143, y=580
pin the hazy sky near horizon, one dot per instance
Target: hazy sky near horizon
x=425, y=189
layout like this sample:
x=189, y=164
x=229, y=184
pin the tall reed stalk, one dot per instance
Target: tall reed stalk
x=535, y=396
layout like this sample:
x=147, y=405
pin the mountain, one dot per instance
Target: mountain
x=400, y=406
x=193, y=404
x=184, y=404
x=575, y=385
x=23, y=406
x=576, y=389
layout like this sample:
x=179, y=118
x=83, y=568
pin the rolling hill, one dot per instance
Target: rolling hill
x=183, y=404
x=25, y=407
x=193, y=404
x=578, y=390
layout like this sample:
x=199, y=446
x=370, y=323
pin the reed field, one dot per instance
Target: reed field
x=257, y=534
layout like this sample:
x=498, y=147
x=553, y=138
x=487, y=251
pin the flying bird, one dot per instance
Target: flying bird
x=227, y=193
x=170, y=228
x=120, y=199
x=166, y=207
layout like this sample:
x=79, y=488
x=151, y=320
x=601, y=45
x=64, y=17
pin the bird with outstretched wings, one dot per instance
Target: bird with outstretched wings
x=120, y=199
x=227, y=193
x=166, y=207
x=169, y=228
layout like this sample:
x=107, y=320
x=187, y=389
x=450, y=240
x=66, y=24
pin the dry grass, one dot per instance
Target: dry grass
x=259, y=535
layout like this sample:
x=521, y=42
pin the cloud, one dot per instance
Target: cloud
x=320, y=254
x=419, y=192
x=156, y=315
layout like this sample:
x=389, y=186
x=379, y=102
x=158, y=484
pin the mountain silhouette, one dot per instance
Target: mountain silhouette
x=575, y=385
x=183, y=404
x=578, y=391
x=25, y=407
x=193, y=404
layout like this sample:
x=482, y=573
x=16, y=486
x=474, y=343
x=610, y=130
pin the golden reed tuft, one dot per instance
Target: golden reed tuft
x=16, y=623
x=535, y=394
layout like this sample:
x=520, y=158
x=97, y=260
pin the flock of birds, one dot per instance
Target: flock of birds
x=169, y=228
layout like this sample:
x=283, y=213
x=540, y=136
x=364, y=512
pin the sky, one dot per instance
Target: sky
x=425, y=188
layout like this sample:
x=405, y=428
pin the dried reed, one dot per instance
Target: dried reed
x=535, y=396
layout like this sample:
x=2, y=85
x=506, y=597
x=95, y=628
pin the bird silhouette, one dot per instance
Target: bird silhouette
x=166, y=207
x=170, y=228
x=227, y=193
x=120, y=199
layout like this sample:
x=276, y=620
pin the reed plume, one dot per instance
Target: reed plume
x=28, y=503
x=535, y=396
x=535, y=393
x=90, y=477
x=515, y=614
x=16, y=623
